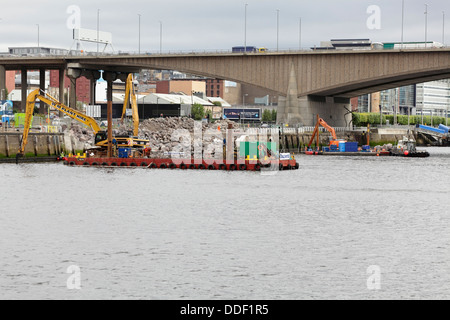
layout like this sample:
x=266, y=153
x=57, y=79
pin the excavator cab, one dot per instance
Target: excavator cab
x=101, y=136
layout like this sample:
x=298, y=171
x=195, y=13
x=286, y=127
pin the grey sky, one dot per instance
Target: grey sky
x=218, y=25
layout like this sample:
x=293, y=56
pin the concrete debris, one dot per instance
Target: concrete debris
x=161, y=133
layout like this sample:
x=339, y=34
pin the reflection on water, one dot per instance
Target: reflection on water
x=160, y=234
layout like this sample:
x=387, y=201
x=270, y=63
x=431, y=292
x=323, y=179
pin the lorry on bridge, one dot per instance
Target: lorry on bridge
x=248, y=49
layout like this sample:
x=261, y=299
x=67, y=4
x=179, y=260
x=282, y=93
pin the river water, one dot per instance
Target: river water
x=338, y=228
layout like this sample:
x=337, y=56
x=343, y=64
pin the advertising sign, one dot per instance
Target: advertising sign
x=242, y=114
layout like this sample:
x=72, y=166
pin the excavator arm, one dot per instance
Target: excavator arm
x=321, y=122
x=52, y=102
x=330, y=129
x=129, y=93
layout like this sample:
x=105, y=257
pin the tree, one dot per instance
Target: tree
x=274, y=115
x=209, y=116
x=267, y=115
x=6, y=94
x=198, y=111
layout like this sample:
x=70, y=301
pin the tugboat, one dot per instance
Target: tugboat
x=407, y=148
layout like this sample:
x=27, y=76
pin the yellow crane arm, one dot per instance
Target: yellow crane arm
x=129, y=92
x=52, y=102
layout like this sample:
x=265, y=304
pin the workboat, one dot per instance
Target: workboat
x=407, y=148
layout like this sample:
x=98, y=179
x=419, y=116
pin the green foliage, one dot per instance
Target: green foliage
x=274, y=115
x=217, y=103
x=363, y=119
x=267, y=115
x=198, y=111
x=209, y=113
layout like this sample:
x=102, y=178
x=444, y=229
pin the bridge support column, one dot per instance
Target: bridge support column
x=24, y=88
x=304, y=110
x=62, y=75
x=43, y=106
x=3, y=83
x=61, y=97
x=73, y=75
x=335, y=111
x=289, y=107
x=92, y=76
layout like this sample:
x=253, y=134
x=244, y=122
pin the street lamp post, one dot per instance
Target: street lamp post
x=98, y=29
x=160, y=36
x=139, y=33
x=245, y=29
x=426, y=24
x=443, y=28
x=403, y=19
x=300, y=36
x=278, y=29
x=39, y=45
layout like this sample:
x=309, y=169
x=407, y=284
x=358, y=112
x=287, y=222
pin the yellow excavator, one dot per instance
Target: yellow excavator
x=130, y=93
x=101, y=137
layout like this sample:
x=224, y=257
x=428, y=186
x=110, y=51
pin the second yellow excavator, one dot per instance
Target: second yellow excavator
x=130, y=93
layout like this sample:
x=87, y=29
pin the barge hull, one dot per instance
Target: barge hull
x=349, y=154
x=178, y=164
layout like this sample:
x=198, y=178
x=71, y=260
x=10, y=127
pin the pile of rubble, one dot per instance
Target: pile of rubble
x=159, y=132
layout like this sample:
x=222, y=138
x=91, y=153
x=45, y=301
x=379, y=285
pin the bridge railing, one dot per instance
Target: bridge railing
x=74, y=53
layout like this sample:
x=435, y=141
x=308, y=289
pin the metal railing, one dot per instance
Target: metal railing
x=74, y=53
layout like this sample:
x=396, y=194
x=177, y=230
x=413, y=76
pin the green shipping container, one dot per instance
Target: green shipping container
x=251, y=149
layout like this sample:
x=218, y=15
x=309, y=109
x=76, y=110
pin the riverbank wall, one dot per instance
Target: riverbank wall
x=39, y=144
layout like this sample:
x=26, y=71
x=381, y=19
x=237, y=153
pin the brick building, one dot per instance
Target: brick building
x=83, y=86
x=184, y=86
x=215, y=88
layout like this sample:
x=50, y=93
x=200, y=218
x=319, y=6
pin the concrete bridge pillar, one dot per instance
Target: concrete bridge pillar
x=43, y=106
x=333, y=110
x=92, y=76
x=304, y=110
x=24, y=88
x=73, y=75
x=62, y=74
x=288, y=107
